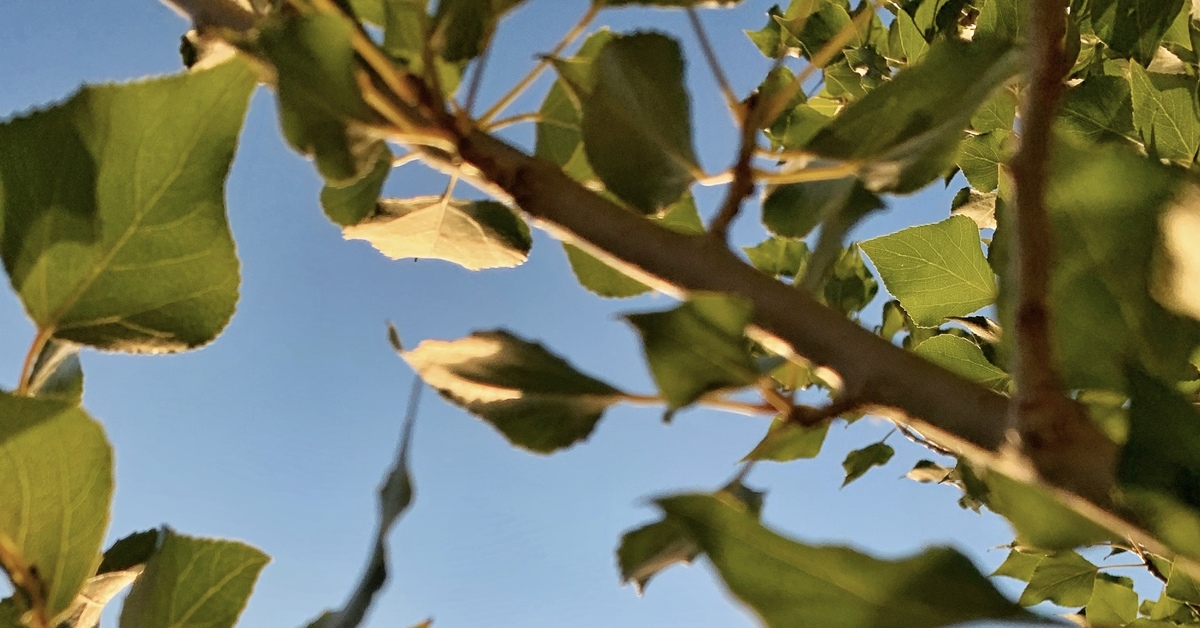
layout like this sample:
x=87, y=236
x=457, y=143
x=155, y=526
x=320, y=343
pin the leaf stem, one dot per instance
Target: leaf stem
x=712, y=401
x=528, y=80
x=35, y=349
x=714, y=64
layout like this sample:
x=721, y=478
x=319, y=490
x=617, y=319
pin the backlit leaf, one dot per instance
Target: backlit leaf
x=935, y=271
x=132, y=251
x=1064, y=578
x=778, y=257
x=56, y=498
x=788, y=583
x=1164, y=112
x=980, y=158
x=463, y=29
x=1019, y=565
x=1112, y=604
x=1098, y=109
x=859, y=461
x=964, y=357
x=533, y=397
x=786, y=441
x=472, y=234
x=193, y=582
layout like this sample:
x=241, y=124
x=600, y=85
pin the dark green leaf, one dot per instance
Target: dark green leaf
x=648, y=550
x=980, y=158
x=1040, y=519
x=1019, y=565
x=559, y=132
x=906, y=132
x=859, y=461
x=57, y=373
x=698, y=347
x=1111, y=604
x=894, y=320
x=609, y=282
x=778, y=257
x=1133, y=28
x=353, y=202
x=1003, y=20
x=786, y=441
x=788, y=584
x=1064, y=578
x=193, y=582
x=406, y=31
x=54, y=517
x=850, y=286
x=996, y=113
x=636, y=122
x=132, y=251
x=533, y=397
x=1164, y=113
x=1098, y=109
x=472, y=234
x=936, y=271
x=793, y=210
x=964, y=357
x=463, y=29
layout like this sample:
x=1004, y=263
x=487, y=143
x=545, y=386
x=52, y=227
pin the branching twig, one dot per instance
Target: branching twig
x=544, y=63
x=531, y=116
x=742, y=185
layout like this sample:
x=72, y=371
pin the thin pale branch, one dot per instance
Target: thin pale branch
x=31, y=356
x=531, y=116
x=714, y=64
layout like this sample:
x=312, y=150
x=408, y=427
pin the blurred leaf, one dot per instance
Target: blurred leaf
x=1132, y=28
x=472, y=234
x=463, y=29
x=936, y=271
x=609, y=282
x=1019, y=565
x=980, y=207
x=893, y=322
x=406, y=27
x=788, y=583
x=906, y=132
x=56, y=502
x=1111, y=604
x=786, y=441
x=57, y=374
x=850, y=287
x=912, y=41
x=353, y=202
x=964, y=357
x=637, y=124
x=793, y=210
x=559, y=127
x=132, y=251
x=1164, y=112
x=698, y=347
x=1040, y=520
x=533, y=397
x=1064, y=578
x=981, y=156
x=1181, y=586
x=1003, y=20
x=1098, y=109
x=997, y=113
x=859, y=461
x=778, y=257
x=666, y=3
x=395, y=496
x=193, y=582
x=926, y=471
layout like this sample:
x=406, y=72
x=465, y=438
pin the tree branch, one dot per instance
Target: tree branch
x=1055, y=430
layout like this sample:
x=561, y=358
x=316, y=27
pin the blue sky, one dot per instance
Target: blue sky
x=279, y=432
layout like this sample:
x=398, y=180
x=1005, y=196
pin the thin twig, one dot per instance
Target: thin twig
x=531, y=116
x=714, y=64
x=544, y=63
x=476, y=80
x=35, y=349
x=805, y=175
x=712, y=401
x=742, y=185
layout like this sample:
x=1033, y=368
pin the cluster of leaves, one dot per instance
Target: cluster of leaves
x=902, y=101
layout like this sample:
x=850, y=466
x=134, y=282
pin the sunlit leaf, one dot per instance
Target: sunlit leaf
x=964, y=357
x=787, y=583
x=132, y=251
x=698, y=347
x=637, y=128
x=533, y=397
x=193, y=582
x=1098, y=109
x=1064, y=578
x=936, y=271
x=996, y=113
x=472, y=234
x=1133, y=28
x=859, y=461
x=1019, y=565
x=56, y=500
x=779, y=257
x=980, y=158
x=1181, y=586
x=1164, y=112
x=1111, y=604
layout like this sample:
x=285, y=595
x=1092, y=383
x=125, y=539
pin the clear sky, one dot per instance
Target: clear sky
x=279, y=432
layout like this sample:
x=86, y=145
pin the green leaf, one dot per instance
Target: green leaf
x=1111, y=604
x=636, y=121
x=1098, y=109
x=1064, y=578
x=964, y=357
x=120, y=566
x=395, y=496
x=132, y=251
x=472, y=234
x=609, y=282
x=1164, y=113
x=320, y=104
x=935, y=271
x=666, y=3
x=793, y=210
x=1003, y=20
x=905, y=133
x=980, y=207
x=57, y=373
x=698, y=347
x=193, y=582
x=559, y=127
x=893, y=322
x=1041, y=520
x=778, y=257
x=997, y=113
x=57, y=499
x=912, y=41
x=1181, y=586
x=859, y=461
x=980, y=158
x=406, y=31
x=850, y=286
x=786, y=441
x=353, y=202
x=926, y=471
x=1019, y=565
x=648, y=550
x=1106, y=200
x=533, y=397
x=1133, y=28
x=787, y=583
x=463, y=29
